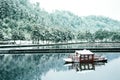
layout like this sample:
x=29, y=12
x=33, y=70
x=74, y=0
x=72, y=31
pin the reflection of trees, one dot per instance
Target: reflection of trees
x=28, y=67
x=32, y=67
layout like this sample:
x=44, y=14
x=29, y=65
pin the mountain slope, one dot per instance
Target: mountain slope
x=22, y=18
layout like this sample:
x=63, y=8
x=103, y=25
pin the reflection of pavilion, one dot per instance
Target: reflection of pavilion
x=85, y=66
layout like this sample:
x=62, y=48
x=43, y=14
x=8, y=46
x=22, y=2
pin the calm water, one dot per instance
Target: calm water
x=51, y=67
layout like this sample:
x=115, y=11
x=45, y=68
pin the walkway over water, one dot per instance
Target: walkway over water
x=73, y=45
x=60, y=48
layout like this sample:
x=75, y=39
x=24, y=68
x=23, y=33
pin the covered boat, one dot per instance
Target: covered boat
x=85, y=56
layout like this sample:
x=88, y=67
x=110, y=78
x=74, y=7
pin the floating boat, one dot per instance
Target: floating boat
x=84, y=56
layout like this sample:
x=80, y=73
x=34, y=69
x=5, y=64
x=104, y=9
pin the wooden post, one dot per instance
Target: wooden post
x=92, y=57
x=80, y=58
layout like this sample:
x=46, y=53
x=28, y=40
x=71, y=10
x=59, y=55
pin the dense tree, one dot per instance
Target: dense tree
x=99, y=35
x=21, y=35
x=116, y=37
x=80, y=36
x=103, y=34
x=69, y=35
x=59, y=26
x=88, y=36
x=35, y=35
x=48, y=35
x=56, y=35
x=15, y=35
x=1, y=35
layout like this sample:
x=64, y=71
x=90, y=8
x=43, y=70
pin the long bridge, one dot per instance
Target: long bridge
x=59, y=48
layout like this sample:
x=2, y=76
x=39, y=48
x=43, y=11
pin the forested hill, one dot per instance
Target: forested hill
x=90, y=23
x=19, y=19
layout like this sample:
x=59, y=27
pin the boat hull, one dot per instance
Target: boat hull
x=69, y=60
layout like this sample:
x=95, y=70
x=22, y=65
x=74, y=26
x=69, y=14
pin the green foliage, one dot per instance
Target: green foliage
x=99, y=35
x=116, y=37
x=19, y=18
x=102, y=34
x=17, y=35
x=1, y=35
x=88, y=36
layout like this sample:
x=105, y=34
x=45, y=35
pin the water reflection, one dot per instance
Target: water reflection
x=51, y=67
x=29, y=66
x=84, y=66
x=109, y=71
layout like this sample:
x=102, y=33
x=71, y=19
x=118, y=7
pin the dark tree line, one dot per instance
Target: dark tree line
x=99, y=36
x=51, y=35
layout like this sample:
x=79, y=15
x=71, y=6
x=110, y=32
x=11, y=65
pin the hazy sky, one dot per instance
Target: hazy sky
x=108, y=8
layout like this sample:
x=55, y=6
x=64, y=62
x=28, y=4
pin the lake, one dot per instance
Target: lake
x=50, y=66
